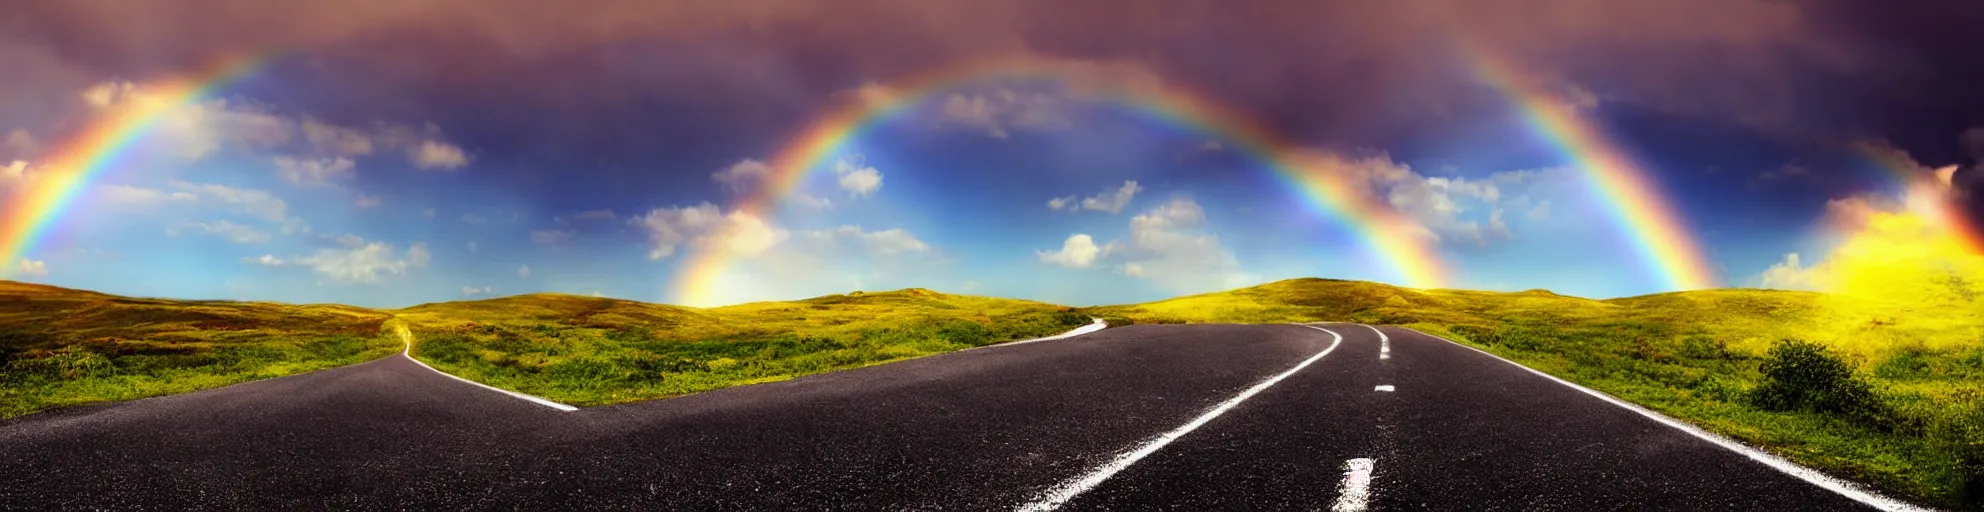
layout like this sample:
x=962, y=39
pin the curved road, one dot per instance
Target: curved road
x=1189, y=417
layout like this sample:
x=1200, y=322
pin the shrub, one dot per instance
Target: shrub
x=1801, y=375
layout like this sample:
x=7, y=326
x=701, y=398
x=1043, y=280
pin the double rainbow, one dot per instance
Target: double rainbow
x=1391, y=238
x=30, y=210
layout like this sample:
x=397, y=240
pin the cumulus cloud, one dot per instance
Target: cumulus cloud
x=32, y=268
x=19, y=144
x=1791, y=274
x=266, y=260
x=999, y=111
x=437, y=155
x=366, y=263
x=472, y=291
x=314, y=171
x=552, y=237
x=259, y=203
x=1169, y=246
x=1078, y=251
x=1448, y=208
x=858, y=180
x=336, y=140
x=705, y=226
x=742, y=175
x=1112, y=200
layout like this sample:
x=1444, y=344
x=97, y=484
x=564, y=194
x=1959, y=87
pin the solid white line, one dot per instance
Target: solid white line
x=1809, y=475
x=1078, y=331
x=1384, y=343
x=1354, y=494
x=1385, y=387
x=1060, y=494
x=407, y=336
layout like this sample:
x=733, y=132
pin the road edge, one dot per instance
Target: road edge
x=406, y=335
x=1842, y=487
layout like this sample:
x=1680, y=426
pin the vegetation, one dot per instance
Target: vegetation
x=1882, y=391
x=61, y=347
x=593, y=351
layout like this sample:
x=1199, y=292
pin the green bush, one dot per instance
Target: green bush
x=1801, y=375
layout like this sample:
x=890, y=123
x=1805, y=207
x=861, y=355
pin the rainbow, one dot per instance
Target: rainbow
x=1636, y=204
x=1403, y=245
x=65, y=171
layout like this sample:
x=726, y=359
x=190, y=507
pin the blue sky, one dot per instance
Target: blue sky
x=352, y=170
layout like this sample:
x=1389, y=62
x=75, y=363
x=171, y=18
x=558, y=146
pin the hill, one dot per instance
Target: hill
x=61, y=347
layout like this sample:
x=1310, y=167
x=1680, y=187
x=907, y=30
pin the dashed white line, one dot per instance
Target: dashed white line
x=1060, y=494
x=407, y=336
x=1354, y=493
x=1384, y=343
x=1385, y=387
x=1809, y=475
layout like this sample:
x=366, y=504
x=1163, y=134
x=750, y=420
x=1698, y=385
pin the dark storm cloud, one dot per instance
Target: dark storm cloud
x=623, y=80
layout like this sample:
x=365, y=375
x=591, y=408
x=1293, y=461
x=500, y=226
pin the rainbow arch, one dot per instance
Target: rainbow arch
x=1404, y=246
x=1637, y=206
x=30, y=211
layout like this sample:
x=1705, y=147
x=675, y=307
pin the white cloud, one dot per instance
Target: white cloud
x=33, y=268
x=1540, y=212
x=998, y=112
x=336, y=139
x=1078, y=251
x=1112, y=200
x=15, y=172
x=523, y=272
x=314, y=171
x=857, y=179
x=258, y=203
x=366, y=263
x=551, y=237
x=236, y=233
x=705, y=226
x=349, y=241
x=742, y=175
x=366, y=201
x=1791, y=274
x=474, y=219
x=437, y=155
x=1448, y=208
x=473, y=291
x=886, y=242
x=294, y=226
x=1168, y=245
x=266, y=260
x=137, y=196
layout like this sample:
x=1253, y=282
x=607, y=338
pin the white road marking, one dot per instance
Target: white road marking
x=1384, y=343
x=1060, y=494
x=1078, y=331
x=407, y=336
x=1354, y=493
x=1809, y=475
x=1386, y=387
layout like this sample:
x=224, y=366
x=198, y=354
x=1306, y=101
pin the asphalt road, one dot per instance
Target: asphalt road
x=1192, y=417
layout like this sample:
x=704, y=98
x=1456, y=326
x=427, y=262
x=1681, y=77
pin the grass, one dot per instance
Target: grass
x=61, y=347
x=1890, y=393
x=596, y=351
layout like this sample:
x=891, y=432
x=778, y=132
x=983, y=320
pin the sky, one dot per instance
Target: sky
x=388, y=152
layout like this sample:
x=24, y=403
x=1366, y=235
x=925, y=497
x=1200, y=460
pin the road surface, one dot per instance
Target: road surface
x=1188, y=417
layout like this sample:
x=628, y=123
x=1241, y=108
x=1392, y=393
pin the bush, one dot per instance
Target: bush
x=1801, y=375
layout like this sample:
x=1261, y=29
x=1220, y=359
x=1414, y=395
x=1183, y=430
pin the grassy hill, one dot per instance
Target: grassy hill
x=594, y=351
x=61, y=347
x=1905, y=412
